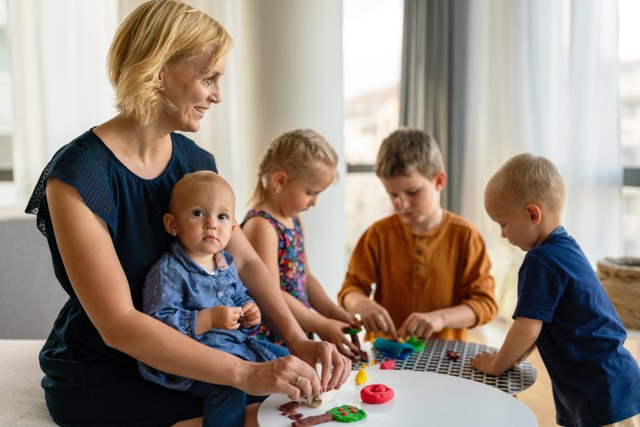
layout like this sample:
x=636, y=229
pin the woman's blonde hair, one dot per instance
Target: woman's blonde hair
x=297, y=152
x=527, y=177
x=156, y=33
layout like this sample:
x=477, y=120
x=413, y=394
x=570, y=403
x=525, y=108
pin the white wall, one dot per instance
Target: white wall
x=291, y=77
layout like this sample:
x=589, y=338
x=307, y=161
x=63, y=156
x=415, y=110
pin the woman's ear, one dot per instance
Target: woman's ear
x=534, y=212
x=160, y=82
x=170, y=224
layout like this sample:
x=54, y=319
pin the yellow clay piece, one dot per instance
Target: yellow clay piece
x=361, y=377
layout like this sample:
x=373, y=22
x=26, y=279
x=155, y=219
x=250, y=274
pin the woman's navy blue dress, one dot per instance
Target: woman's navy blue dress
x=86, y=382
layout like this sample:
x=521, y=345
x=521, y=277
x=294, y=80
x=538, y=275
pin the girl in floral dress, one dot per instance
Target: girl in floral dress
x=297, y=167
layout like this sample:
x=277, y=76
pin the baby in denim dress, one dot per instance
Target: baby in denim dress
x=194, y=287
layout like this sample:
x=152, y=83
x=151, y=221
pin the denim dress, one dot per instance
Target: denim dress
x=177, y=288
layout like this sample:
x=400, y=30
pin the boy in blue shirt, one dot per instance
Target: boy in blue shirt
x=562, y=308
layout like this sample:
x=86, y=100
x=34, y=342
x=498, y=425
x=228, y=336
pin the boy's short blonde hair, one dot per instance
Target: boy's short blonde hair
x=204, y=177
x=159, y=32
x=297, y=153
x=527, y=177
x=406, y=150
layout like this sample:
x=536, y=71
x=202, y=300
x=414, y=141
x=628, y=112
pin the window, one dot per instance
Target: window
x=629, y=83
x=372, y=55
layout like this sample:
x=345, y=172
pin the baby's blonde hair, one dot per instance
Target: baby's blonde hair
x=526, y=178
x=297, y=152
x=156, y=33
x=407, y=150
x=204, y=177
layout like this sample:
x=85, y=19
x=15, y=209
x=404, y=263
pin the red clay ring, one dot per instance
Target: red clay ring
x=376, y=394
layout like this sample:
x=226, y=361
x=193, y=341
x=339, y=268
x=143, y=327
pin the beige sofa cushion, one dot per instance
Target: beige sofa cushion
x=21, y=397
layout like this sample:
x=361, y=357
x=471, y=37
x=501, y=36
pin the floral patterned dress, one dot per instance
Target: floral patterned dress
x=291, y=259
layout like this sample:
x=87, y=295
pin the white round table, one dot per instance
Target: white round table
x=421, y=399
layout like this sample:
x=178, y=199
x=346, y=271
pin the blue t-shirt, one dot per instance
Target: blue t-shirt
x=595, y=379
x=74, y=354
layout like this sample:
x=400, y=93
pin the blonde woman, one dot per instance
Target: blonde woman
x=100, y=203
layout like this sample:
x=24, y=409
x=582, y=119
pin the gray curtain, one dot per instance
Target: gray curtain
x=432, y=83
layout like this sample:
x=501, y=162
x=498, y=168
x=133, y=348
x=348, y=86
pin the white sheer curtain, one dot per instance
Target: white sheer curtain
x=222, y=133
x=60, y=85
x=543, y=78
x=61, y=88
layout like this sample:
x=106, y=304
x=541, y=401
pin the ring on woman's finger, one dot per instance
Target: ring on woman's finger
x=298, y=380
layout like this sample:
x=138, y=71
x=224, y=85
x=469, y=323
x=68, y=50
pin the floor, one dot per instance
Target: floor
x=538, y=397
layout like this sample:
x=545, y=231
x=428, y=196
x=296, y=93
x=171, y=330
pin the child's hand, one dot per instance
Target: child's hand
x=484, y=362
x=223, y=317
x=333, y=331
x=375, y=318
x=345, y=316
x=251, y=315
x=421, y=325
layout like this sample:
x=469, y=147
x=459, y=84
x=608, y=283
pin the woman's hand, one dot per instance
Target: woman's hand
x=335, y=367
x=333, y=331
x=375, y=318
x=422, y=325
x=288, y=375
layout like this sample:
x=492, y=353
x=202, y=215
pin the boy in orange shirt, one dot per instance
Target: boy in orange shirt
x=430, y=266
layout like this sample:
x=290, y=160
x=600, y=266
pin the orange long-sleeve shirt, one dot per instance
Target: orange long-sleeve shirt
x=441, y=268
